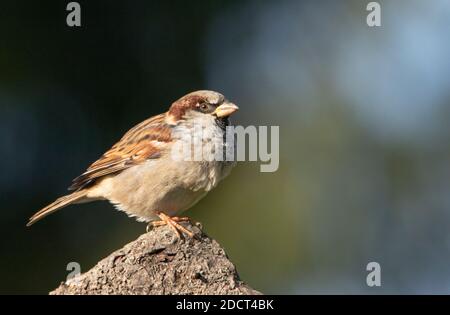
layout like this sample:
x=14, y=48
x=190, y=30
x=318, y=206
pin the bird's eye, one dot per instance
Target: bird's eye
x=204, y=106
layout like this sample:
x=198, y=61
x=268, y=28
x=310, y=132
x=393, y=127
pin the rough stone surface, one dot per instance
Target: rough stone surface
x=158, y=263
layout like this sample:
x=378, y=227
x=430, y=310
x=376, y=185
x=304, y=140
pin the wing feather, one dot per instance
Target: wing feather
x=142, y=142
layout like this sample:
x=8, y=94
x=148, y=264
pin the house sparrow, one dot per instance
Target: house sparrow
x=139, y=175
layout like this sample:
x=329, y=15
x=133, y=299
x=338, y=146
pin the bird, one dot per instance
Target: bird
x=141, y=176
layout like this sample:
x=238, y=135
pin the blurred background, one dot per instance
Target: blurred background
x=364, y=134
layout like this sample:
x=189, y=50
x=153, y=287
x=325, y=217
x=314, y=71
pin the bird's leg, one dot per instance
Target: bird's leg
x=181, y=219
x=176, y=219
x=173, y=223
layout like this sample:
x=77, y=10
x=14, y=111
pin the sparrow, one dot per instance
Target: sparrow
x=139, y=174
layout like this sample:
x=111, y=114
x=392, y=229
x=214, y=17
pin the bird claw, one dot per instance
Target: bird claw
x=173, y=223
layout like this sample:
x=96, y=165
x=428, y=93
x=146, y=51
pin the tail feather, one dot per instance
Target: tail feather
x=56, y=205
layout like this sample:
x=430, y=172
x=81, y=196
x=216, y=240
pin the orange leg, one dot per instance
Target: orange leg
x=173, y=223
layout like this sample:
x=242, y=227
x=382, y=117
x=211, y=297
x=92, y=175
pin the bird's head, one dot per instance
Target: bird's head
x=200, y=103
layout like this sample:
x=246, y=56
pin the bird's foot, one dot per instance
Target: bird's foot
x=173, y=223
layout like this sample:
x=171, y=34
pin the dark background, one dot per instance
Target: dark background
x=364, y=134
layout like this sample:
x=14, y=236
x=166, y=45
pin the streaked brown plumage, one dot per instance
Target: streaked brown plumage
x=137, y=145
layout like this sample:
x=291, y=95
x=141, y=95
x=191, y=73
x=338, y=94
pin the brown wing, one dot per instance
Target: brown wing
x=142, y=142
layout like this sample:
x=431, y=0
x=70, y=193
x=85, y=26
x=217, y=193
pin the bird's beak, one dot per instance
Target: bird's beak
x=225, y=110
